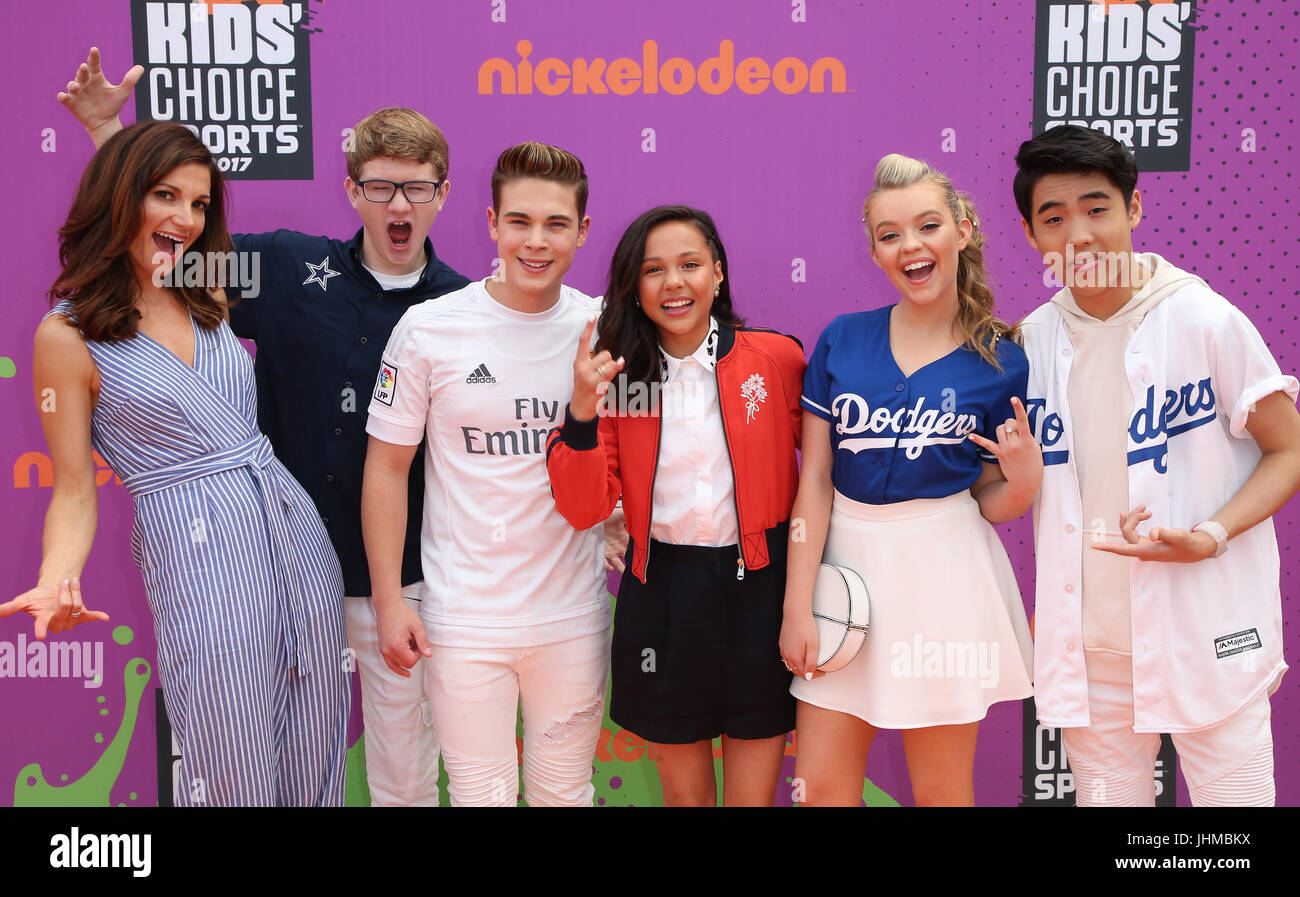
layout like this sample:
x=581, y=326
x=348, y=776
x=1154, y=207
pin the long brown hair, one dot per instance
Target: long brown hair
x=624, y=328
x=95, y=242
x=980, y=329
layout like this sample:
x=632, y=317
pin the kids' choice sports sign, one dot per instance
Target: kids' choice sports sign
x=1124, y=68
x=237, y=74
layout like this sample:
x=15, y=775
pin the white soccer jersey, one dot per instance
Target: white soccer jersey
x=486, y=385
x=1207, y=637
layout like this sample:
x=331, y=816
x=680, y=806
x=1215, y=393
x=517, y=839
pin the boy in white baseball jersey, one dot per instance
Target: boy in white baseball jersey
x=515, y=608
x=1154, y=399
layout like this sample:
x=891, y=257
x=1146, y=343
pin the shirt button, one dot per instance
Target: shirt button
x=1069, y=527
x=1070, y=646
x=329, y=477
x=325, y=520
x=1069, y=588
x=880, y=462
x=899, y=387
x=347, y=384
x=364, y=340
x=338, y=431
x=1065, y=351
x=379, y=295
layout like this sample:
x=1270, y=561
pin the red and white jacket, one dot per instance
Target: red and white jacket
x=594, y=463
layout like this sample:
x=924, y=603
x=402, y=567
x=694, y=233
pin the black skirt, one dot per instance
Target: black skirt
x=696, y=651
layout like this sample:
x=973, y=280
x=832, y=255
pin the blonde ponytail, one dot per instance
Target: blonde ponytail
x=979, y=328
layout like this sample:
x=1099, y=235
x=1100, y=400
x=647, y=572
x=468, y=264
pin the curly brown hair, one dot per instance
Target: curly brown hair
x=95, y=241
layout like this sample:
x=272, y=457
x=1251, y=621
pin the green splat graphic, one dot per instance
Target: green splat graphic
x=92, y=789
x=7, y=367
x=123, y=635
x=873, y=796
x=356, y=793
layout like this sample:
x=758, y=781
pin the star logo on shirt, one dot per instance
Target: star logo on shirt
x=320, y=273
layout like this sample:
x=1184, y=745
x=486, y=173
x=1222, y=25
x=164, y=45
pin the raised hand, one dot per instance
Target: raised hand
x=54, y=608
x=1017, y=454
x=94, y=100
x=591, y=375
x=1176, y=546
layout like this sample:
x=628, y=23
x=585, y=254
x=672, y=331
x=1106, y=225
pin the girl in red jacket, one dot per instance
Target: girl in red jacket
x=693, y=421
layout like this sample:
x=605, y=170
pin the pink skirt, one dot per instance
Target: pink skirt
x=948, y=636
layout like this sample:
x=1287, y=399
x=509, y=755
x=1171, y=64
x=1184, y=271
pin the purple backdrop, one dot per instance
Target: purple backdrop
x=783, y=174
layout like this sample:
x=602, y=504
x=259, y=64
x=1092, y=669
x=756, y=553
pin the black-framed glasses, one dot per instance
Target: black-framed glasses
x=377, y=190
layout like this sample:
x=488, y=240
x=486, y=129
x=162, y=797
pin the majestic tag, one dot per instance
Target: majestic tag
x=1228, y=645
x=386, y=384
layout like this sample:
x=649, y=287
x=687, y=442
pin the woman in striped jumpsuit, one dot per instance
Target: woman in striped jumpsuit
x=244, y=588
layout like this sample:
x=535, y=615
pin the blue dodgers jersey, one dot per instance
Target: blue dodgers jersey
x=895, y=438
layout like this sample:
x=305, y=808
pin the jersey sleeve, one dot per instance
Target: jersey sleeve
x=1013, y=381
x=247, y=314
x=816, y=396
x=399, y=406
x=582, y=462
x=1243, y=369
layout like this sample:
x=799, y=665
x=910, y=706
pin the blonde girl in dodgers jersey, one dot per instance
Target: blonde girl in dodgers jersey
x=1170, y=437
x=915, y=439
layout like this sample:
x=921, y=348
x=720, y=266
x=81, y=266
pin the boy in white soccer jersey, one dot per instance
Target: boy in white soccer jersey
x=1154, y=399
x=515, y=606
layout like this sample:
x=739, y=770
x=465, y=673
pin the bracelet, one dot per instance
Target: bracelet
x=1216, y=530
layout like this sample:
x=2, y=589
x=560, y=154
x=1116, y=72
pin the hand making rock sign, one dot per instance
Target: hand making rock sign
x=592, y=374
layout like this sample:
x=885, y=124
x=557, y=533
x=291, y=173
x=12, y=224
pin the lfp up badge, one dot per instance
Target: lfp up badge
x=1124, y=68
x=237, y=74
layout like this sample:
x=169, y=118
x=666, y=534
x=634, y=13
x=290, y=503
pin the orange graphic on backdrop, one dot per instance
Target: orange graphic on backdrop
x=40, y=462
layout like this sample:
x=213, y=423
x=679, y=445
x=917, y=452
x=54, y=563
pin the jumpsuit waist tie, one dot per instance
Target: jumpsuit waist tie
x=255, y=454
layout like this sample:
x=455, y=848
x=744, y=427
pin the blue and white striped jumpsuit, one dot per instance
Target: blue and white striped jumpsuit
x=244, y=586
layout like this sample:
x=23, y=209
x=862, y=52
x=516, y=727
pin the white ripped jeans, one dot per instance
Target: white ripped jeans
x=476, y=695
x=1230, y=764
x=401, y=744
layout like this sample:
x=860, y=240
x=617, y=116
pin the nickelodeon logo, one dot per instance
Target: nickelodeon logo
x=625, y=76
x=40, y=464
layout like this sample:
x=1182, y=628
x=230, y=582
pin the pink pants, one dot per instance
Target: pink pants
x=476, y=695
x=1230, y=764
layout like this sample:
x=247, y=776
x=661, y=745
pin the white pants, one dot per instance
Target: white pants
x=476, y=695
x=401, y=744
x=1230, y=764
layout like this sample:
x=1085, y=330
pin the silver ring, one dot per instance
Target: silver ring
x=1010, y=430
x=76, y=613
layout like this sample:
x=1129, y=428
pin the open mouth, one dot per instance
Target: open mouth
x=399, y=234
x=678, y=306
x=918, y=271
x=168, y=244
x=535, y=264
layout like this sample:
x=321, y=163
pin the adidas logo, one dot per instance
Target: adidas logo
x=481, y=374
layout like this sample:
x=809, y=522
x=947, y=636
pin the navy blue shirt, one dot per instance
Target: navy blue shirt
x=896, y=438
x=321, y=321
